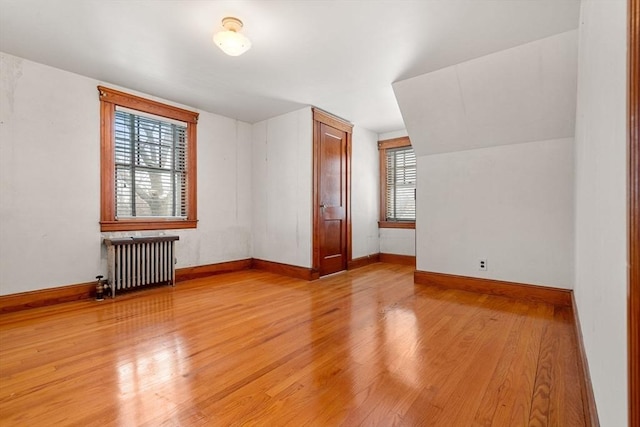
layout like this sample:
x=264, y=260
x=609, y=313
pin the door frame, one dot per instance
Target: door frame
x=633, y=224
x=322, y=117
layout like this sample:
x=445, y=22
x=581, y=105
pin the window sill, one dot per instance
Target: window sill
x=397, y=224
x=147, y=224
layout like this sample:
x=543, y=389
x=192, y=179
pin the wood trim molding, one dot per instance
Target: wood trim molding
x=192, y=175
x=147, y=105
x=348, y=207
x=403, y=141
x=136, y=224
x=363, y=261
x=409, y=225
x=52, y=296
x=633, y=168
x=46, y=297
x=549, y=295
x=189, y=273
x=315, y=197
x=382, y=173
x=398, y=259
x=285, y=269
x=109, y=99
x=331, y=120
x=58, y=295
x=61, y=294
x=588, y=399
x=107, y=163
x=382, y=257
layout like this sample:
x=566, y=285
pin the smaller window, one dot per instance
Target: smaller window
x=398, y=173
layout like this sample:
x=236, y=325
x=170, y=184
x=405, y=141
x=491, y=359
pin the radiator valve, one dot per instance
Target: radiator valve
x=99, y=288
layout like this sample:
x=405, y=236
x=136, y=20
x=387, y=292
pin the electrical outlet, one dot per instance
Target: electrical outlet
x=482, y=264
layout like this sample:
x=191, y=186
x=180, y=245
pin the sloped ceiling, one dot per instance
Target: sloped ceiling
x=526, y=93
x=339, y=55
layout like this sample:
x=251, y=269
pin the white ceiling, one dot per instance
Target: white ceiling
x=341, y=56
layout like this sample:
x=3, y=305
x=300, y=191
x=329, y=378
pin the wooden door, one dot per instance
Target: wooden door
x=332, y=231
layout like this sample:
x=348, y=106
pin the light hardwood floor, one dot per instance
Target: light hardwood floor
x=365, y=347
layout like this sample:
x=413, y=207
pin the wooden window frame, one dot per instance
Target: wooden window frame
x=383, y=146
x=109, y=99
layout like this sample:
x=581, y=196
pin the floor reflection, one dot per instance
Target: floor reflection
x=400, y=345
x=149, y=380
x=151, y=372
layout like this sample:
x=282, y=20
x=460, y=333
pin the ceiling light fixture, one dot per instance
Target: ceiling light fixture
x=231, y=41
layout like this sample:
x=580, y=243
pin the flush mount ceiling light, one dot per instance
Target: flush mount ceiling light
x=231, y=41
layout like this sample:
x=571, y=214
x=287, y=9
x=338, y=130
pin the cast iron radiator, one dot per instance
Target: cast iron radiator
x=134, y=262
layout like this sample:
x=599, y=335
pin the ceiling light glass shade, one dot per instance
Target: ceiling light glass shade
x=231, y=41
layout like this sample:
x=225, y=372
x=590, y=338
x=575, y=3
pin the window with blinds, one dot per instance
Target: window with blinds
x=401, y=184
x=150, y=165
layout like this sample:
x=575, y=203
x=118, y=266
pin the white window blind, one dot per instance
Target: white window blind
x=401, y=184
x=150, y=163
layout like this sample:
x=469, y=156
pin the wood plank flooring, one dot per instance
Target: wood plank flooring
x=366, y=347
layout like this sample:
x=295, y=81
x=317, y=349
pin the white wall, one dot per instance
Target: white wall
x=391, y=135
x=397, y=241
x=601, y=233
x=224, y=194
x=282, y=198
x=254, y=184
x=365, y=193
x=494, y=140
x=526, y=93
x=512, y=205
x=50, y=182
x=282, y=153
